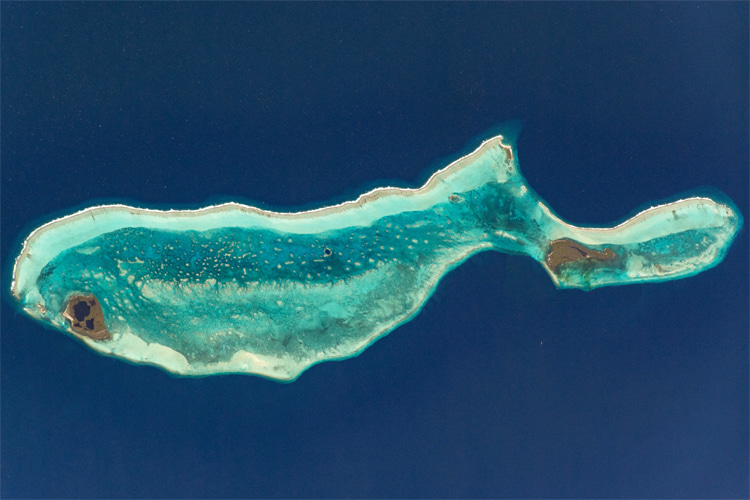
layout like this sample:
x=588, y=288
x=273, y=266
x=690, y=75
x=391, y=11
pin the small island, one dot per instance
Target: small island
x=232, y=288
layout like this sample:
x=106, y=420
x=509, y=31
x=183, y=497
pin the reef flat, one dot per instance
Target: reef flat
x=232, y=288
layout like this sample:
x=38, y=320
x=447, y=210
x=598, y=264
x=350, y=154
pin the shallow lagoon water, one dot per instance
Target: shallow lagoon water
x=502, y=386
x=236, y=289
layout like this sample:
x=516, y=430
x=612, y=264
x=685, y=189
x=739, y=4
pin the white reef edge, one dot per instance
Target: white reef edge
x=47, y=241
x=100, y=219
x=39, y=247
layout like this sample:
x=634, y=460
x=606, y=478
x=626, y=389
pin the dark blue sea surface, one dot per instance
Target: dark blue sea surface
x=503, y=386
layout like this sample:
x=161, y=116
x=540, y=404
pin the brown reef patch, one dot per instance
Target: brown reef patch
x=565, y=250
x=86, y=317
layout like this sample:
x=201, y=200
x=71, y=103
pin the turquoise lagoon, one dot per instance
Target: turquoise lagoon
x=231, y=288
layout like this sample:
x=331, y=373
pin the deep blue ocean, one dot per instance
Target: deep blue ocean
x=502, y=386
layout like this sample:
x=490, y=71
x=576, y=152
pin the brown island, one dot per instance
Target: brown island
x=566, y=250
x=86, y=317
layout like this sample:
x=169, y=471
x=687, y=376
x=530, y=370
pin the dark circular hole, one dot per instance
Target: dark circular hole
x=81, y=310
